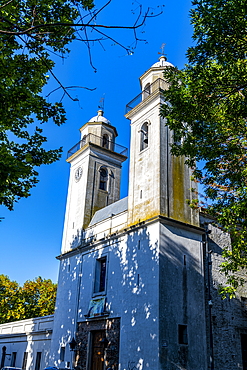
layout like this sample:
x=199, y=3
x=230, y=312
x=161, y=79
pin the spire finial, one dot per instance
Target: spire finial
x=102, y=103
x=162, y=47
x=162, y=57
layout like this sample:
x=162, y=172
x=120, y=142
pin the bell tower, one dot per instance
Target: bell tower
x=95, y=175
x=159, y=183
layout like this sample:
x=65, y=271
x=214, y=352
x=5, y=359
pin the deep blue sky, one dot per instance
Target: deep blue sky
x=31, y=234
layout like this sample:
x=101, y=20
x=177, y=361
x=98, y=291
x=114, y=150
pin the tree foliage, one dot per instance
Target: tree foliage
x=35, y=299
x=24, y=64
x=207, y=111
x=31, y=32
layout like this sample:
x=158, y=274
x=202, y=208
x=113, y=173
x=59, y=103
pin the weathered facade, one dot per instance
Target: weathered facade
x=229, y=316
x=138, y=279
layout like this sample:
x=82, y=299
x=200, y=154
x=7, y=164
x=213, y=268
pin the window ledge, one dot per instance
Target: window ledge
x=99, y=294
x=105, y=314
x=103, y=191
x=144, y=150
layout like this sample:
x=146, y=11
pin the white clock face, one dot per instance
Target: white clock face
x=78, y=173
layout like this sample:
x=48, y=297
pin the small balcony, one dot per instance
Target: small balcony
x=158, y=84
x=99, y=141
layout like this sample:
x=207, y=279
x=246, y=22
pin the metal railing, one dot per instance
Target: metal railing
x=158, y=84
x=100, y=141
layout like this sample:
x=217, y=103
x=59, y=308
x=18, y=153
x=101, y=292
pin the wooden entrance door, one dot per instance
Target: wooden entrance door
x=98, y=350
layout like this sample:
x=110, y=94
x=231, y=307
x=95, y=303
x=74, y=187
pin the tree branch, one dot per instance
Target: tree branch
x=71, y=87
x=43, y=61
x=2, y=6
x=53, y=25
x=89, y=51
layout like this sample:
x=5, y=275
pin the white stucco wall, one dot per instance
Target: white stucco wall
x=66, y=310
x=136, y=306
x=32, y=336
x=75, y=202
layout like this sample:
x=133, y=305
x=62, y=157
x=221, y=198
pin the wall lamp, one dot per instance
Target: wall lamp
x=72, y=344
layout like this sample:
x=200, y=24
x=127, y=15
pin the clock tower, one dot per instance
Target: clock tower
x=95, y=174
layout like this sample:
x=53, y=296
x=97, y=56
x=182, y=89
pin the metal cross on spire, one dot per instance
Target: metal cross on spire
x=162, y=47
x=102, y=102
x=162, y=54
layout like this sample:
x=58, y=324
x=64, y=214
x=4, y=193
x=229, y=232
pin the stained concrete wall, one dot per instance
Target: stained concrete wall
x=229, y=316
x=181, y=299
x=144, y=171
x=159, y=183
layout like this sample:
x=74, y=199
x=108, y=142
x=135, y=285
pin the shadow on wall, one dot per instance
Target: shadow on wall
x=65, y=311
x=29, y=352
x=38, y=348
x=181, y=301
x=138, y=261
x=229, y=317
x=77, y=238
x=132, y=296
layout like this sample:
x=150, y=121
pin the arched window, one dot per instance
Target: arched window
x=144, y=136
x=105, y=142
x=103, y=179
x=146, y=91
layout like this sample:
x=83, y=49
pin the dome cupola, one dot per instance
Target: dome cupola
x=100, y=118
x=155, y=72
x=99, y=126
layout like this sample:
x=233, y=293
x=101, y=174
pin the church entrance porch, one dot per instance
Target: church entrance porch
x=98, y=344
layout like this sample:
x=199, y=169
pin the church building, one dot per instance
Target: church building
x=138, y=278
